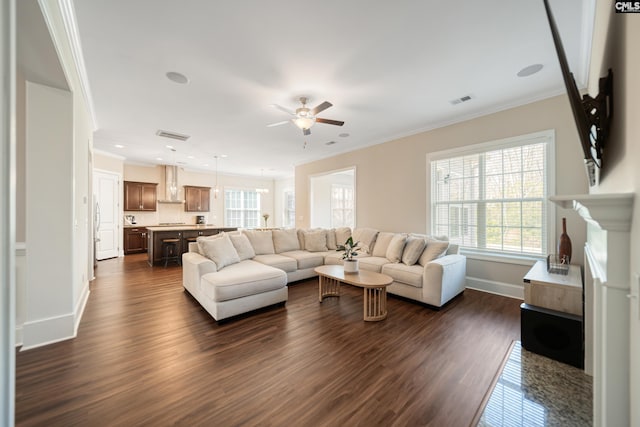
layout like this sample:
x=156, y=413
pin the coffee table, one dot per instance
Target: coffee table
x=374, y=286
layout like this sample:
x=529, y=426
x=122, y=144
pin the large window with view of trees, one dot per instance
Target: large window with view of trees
x=492, y=197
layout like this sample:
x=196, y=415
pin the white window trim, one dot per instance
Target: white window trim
x=548, y=136
x=284, y=207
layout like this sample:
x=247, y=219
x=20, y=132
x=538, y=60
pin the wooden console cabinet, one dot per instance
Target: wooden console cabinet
x=140, y=196
x=551, y=318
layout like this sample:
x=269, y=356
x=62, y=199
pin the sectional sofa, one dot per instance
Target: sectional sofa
x=237, y=272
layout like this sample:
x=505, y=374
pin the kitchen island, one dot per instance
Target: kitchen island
x=184, y=233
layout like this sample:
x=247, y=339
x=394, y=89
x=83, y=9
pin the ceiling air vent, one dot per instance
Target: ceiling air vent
x=461, y=100
x=173, y=135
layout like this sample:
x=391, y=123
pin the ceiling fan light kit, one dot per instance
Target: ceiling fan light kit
x=304, y=118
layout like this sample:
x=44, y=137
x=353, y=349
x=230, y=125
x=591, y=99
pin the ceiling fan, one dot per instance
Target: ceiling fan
x=305, y=117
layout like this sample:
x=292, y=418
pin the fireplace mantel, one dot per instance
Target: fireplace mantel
x=607, y=285
x=610, y=212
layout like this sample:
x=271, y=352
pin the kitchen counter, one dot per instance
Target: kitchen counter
x=184, y=227
x=183, y=232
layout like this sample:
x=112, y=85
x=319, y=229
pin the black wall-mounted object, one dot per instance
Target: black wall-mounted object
x=592, y=115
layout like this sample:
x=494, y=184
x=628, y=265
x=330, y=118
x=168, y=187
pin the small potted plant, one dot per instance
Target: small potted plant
x=266, y=217
x=349, y=250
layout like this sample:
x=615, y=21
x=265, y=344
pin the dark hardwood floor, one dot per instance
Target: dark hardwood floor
x=147, y=354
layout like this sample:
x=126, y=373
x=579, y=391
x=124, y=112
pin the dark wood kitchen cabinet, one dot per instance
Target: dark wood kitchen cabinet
x=135, y=240
x=140, y=196
x=196, y=198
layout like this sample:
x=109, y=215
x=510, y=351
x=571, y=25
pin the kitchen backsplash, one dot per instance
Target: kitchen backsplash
x=170, y=213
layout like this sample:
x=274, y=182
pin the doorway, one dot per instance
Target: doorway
x=333, y=199
x=106, y=191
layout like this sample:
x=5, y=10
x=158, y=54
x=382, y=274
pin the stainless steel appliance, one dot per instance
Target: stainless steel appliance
x=200, y=219
x=130, y=219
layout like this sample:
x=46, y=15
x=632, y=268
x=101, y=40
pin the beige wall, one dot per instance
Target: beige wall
x=107, y=162
x=391, y=181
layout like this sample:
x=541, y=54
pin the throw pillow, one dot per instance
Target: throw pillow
x=366, y=237
x=315, y=241
x=434, y=250
x=332, y=243
x=285, y=240
x=243, y=246
x=395, y=248
x=382, y=243
x=342, y=234
x=262, y=241
x=220, y=251
x=412, y=250
x=201, y=239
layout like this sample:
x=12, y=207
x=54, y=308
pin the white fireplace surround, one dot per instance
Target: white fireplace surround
x=607, y=292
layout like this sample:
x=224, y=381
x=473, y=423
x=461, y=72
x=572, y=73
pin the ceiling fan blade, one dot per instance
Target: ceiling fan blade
x=278, y=124
x=283, y=109
x=306, y=132
x=321, y=107
x=329, y=121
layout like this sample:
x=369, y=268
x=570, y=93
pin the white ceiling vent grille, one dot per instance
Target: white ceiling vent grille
x=461, y=100
x=173, y=135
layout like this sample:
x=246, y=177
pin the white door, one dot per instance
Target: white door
x=107, y=221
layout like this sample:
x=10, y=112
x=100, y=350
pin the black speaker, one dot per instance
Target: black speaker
x=553, y=334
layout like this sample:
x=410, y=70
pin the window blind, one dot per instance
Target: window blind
x=494, y=199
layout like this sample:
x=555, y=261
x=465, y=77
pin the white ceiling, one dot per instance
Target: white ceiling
x=390, y=69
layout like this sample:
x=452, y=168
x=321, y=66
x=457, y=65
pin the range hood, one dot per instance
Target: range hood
x=171, y=188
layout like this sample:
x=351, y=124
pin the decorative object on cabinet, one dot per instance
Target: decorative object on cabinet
x=266, y=218
x=140, y=196
x=564, y=244
x=196, y=198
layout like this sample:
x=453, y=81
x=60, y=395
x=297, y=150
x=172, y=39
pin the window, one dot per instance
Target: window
x=341, y=206
x=289, y=211
x=492, y=197
x=242, y=208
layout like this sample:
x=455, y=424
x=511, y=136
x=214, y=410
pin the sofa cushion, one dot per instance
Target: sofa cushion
x=262, y=241
x=366, y=237
x=241, y=280
x=201, y=239
x=434, y=249
x=282, y=262
x=220, y=251
x=315, y=241
x=413, y=249
x=396, y=246
x=382, y=243
x=243, y=246
x=373, y=263
x=332, y=244
x=408, y=274
x=285, y=240
x=342, y=234
x=306, y=259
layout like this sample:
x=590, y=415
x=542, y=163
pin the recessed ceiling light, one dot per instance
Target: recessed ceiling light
x=170, y=147
x=206, y=165
x=224, y=156
x=119, y=146
x=177, y=77
x=329, y=143
x=531, y=69
x=343, y=135
x=158, y=158
x=190, y=157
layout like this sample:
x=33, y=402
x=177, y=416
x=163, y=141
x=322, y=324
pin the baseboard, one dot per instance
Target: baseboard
x=80, y=306
x=498, y=288
x=47, y=331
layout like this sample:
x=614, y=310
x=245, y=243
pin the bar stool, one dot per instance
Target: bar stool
x=170, y=251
